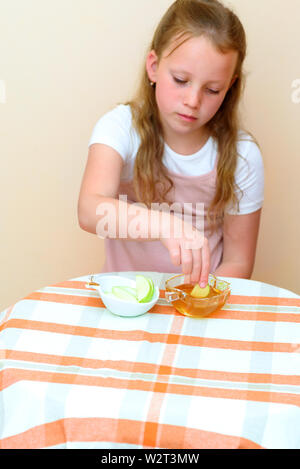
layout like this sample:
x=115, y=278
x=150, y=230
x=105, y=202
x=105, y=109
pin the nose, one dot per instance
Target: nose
x=192, y=97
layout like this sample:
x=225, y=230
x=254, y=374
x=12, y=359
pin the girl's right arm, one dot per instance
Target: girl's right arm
x=99, y=188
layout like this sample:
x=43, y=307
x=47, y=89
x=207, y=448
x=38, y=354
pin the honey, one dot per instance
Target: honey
x=197, y=307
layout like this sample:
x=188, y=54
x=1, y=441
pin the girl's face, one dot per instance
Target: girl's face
x=191, y=84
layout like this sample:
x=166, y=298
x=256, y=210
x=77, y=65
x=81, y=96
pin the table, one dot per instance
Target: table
x=73, y=375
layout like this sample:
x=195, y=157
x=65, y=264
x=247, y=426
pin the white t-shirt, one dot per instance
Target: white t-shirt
x=115, y=130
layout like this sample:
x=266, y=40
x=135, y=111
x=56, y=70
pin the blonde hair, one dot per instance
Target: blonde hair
x=186, y=19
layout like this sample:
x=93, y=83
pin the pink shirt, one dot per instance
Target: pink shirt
x=124, y=255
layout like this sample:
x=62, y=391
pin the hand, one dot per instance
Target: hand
x=188, y=248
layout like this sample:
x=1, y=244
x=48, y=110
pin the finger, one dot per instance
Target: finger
x=187, y=278
x=175, y=254
x=197, y=264
x=186, y=261
x=205, y=268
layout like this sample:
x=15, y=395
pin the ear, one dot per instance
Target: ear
x=151, y=65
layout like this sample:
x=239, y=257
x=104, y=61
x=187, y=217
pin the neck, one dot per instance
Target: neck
x=189, y=144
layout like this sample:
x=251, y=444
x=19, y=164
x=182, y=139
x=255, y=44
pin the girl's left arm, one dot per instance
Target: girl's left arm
x=240, y=233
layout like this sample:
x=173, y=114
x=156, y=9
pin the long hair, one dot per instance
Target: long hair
x=190, y=18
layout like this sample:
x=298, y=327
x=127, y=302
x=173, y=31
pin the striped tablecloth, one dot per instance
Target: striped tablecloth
x=73, y=375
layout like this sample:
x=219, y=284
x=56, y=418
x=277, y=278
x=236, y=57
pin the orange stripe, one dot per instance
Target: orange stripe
x=139, y=335
x=161, y=370
x=263, y=300
x=68, y=299
x=256, y=316
x=75, y=284
x=158, y=309
x=233, y=299
x=120, y=431
x=92, y=301
x=11, y=376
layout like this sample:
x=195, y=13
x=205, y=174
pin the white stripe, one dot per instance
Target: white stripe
x=69, y=291
x=233, y=329
x=262, y=308
x=175, y=379
x=144, y=352
x=283, y=427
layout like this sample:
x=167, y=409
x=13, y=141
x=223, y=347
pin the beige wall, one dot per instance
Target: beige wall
x=63, y=64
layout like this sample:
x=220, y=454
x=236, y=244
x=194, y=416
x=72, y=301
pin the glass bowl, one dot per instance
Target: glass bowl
x=185, y=304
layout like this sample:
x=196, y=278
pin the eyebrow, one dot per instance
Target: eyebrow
x=215, y=82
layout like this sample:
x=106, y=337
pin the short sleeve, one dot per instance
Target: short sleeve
x=114, y=129
x=249, y=178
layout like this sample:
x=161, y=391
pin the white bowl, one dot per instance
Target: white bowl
x=122, y=307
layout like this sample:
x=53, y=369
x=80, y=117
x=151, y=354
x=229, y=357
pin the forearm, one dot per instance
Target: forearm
x=115, y=218
x=234, y=269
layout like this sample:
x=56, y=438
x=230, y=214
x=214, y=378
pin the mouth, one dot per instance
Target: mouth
x=187, y=118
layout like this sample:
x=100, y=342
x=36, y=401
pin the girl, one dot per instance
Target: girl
x=179, y=142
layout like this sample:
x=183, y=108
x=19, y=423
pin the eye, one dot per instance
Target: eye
x=179, y=81
x=213, y=91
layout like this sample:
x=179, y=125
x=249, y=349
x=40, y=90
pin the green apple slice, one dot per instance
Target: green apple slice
x=144, y=288
x=122, y=293
x=152, y=287
x=130, y=290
